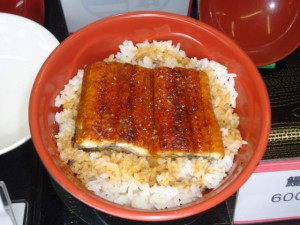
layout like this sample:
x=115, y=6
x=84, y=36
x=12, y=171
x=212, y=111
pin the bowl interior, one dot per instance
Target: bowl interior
x=102, y=38
x=266, y=30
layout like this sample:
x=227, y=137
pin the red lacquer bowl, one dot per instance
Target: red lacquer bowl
x=31, y=9
x=102, y=38
x=267, y=30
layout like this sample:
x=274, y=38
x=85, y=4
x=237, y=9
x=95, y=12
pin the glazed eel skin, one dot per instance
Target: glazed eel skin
x=163, y=112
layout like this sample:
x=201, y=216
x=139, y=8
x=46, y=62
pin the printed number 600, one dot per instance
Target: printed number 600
x=286, y=197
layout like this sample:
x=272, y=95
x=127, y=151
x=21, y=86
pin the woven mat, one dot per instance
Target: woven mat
x=283, y=85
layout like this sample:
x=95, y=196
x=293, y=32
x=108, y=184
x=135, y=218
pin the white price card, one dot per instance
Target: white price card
x=272, y=193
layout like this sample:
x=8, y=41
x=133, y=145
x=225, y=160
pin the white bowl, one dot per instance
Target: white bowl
x=24, y=46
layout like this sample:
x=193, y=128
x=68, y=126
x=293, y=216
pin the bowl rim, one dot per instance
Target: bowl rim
x=140, y=215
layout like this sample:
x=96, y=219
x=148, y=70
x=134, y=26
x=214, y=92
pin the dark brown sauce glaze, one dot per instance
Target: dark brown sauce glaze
x=167, y=112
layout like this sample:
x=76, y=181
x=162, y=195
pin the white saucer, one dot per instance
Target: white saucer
x=24, y=46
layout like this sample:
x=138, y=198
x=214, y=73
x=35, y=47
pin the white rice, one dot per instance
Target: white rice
x=143, y=182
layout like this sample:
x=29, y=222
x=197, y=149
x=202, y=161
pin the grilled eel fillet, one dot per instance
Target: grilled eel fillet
x=158, y=112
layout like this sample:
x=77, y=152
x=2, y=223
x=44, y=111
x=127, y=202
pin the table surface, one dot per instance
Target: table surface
x=48, y=204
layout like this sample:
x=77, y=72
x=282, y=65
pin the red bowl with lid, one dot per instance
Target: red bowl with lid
x=102, y=38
